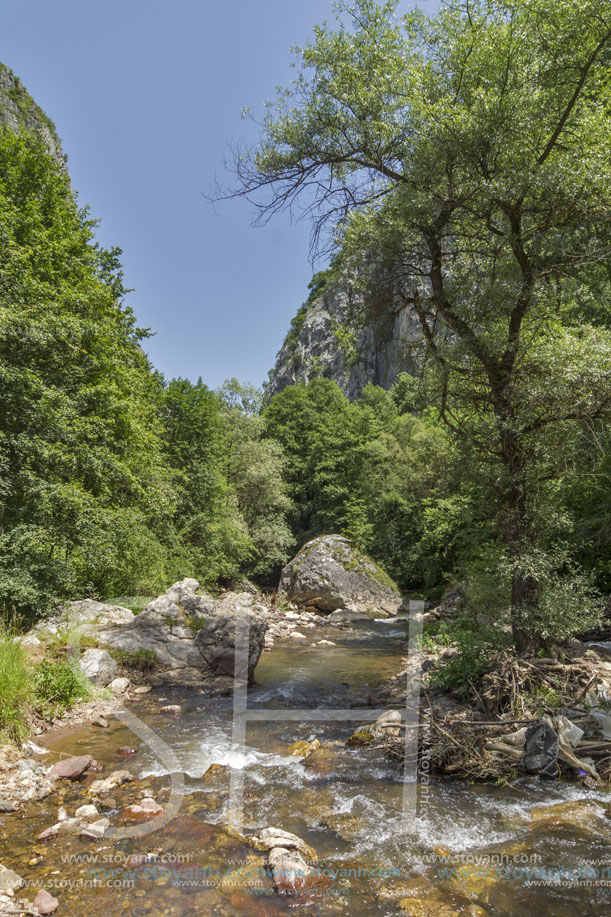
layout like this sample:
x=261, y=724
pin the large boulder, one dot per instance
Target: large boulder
x=192, y=636
x=329, y=573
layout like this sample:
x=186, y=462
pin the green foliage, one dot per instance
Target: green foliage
x=568, y=601
x=366, y=471
x=476, y=647
x=135, y=603
x=58, y=685
x=142, y=661
x=15, y=687
x=111, y=480
x=82, y=481
x=195, y=623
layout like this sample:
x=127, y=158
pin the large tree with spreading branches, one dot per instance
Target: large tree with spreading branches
x=463, y=163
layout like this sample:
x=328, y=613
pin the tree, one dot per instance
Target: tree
x=254, y=466
x=83, y=485
x=463, y=163
x=212, y=538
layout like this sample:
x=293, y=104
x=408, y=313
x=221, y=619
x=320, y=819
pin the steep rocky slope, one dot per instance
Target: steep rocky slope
x=319, y=345
x=19, y=112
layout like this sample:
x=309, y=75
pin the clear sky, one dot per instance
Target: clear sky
x=146, y=96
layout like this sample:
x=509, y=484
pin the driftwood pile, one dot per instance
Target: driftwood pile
x=521, y=701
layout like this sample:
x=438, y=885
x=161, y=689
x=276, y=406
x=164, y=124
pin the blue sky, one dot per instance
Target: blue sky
x=146, y=96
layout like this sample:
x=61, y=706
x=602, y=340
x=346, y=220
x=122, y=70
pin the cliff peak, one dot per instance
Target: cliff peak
x=19, y=112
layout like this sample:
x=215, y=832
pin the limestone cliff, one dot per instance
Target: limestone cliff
x=328, y=340
x=19, y=112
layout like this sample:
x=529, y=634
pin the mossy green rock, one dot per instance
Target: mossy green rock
x=329, y=573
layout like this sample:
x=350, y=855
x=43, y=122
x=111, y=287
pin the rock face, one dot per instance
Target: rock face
x=316, y=348
x=329, y=574
x=192, y=636
x=19, y=112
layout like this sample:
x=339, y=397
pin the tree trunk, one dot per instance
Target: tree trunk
x=524, y=597
x=518, y=535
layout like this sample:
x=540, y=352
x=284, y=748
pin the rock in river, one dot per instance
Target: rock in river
x=191, y=637
x=330, y=573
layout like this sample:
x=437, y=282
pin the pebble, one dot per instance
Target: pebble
x=45, y=903
x=87, y=811
x=97, y=829
x=119, y=685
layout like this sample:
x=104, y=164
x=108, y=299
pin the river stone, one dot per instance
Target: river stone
x=86, y=811
x=6, y=805
x=291, y=873
x=302, y=749
x=346, y=616
x=53, y=831
x=148, y=806
x=117, y=778
x=119, y=685
x=191, y=636
x=71, y=768
x=329, y=573
x=45, y=903
x=10, y=882
x=276, y=837
x=387, y=725
x=98, y=666
x=97, y=829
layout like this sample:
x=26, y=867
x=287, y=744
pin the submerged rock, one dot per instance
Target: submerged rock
x=302, y=749
x=329, y=573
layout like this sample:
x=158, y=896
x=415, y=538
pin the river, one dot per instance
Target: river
x=528, y=848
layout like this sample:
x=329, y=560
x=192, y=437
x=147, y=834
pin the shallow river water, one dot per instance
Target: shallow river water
x=467, y=850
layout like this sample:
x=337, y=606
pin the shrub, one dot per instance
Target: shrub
x=476, y=648
x=143, y=661
x=59, y=684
